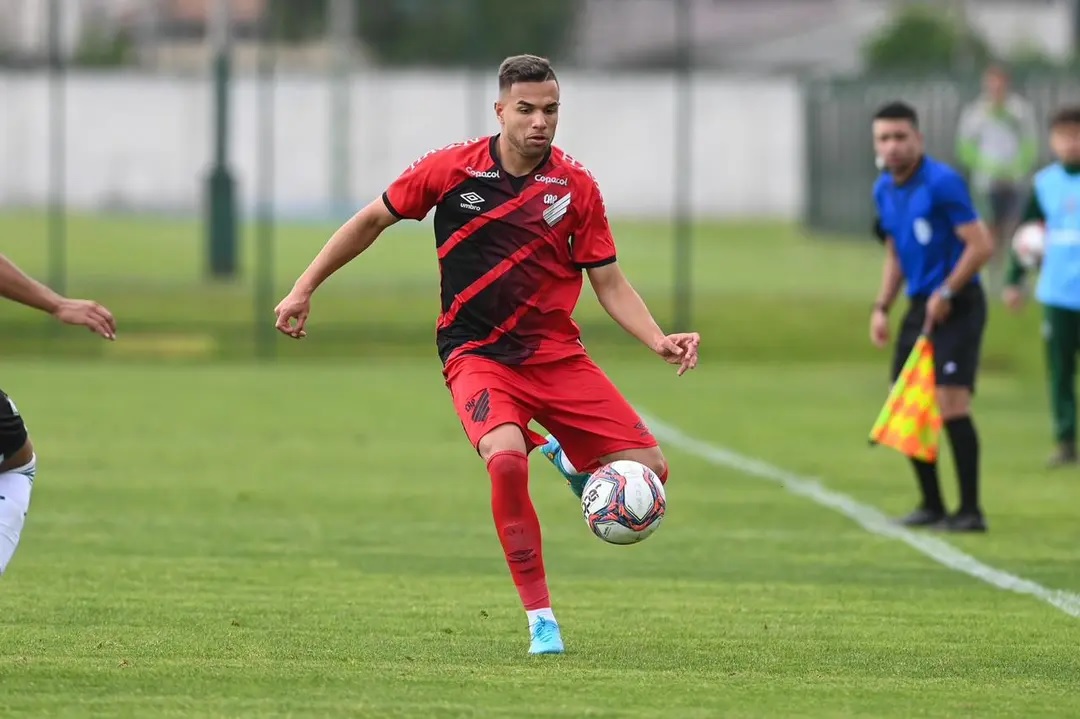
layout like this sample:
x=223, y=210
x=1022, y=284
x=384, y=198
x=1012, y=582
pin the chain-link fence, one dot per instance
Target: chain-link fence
x=182, y=160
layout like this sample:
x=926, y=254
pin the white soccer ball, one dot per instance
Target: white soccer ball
x=623, y=502
x=1029, y=244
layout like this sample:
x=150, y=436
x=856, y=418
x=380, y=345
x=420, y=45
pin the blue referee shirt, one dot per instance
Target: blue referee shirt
x=922, y=215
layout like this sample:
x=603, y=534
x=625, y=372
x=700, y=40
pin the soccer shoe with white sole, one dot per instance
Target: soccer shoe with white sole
x=553, y=451
x=545, y=637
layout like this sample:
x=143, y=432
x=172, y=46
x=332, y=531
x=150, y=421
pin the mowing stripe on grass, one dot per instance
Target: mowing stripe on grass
x=870, y=518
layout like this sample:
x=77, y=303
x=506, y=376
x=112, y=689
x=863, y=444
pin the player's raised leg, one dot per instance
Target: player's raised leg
x=595, y=422
x=494, y=415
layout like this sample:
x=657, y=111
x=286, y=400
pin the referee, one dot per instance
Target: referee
x=935, y=245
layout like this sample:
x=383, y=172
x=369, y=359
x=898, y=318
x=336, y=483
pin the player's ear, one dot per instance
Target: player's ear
x=499, y=111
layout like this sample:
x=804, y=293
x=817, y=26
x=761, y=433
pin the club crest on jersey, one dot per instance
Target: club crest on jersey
x=558, y=207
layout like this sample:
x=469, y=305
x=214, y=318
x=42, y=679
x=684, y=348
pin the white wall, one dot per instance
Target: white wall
x=144, y=142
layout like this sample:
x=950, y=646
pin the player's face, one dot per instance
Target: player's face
x=528, y=113
x=1065, y=142
x=898, y=143
x=996, y=86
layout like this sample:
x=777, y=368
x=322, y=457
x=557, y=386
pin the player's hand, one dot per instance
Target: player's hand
x=680, y=348
x=296, y=306
x=1013, y=297
x=88, y=314
x=937, y=310
x=879, y=328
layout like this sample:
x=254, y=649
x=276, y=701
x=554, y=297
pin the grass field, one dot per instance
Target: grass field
x=313, y=539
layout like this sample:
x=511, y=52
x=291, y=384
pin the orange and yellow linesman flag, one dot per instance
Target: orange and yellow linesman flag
x=910, y=421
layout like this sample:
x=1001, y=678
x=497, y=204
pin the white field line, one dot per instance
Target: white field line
x=871, y=519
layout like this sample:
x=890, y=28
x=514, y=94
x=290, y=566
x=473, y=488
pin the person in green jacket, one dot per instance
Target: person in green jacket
x=997, y=145
x=1055, y=203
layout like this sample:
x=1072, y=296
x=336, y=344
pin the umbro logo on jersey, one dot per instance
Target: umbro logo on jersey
x=472, y=201
x=554, y=214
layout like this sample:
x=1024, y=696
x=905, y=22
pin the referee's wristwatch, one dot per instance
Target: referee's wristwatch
x=946, y=293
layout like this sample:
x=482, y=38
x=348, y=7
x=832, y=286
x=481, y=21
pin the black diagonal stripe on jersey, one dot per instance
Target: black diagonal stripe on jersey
x=451, y=217
x=487, y=247
x=495, y=304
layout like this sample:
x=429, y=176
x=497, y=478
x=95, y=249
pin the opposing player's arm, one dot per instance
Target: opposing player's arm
x=1015, y=272
x=952, y=194
x=16, y=285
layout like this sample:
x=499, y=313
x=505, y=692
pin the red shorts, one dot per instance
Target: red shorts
x=572, y=398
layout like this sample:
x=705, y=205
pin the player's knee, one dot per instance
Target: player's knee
x=651, y=457
x=658, y=464
x=954, y=402
x=504, y=438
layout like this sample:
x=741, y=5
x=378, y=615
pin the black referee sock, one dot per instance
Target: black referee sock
x=965, y=447
x=928, y=485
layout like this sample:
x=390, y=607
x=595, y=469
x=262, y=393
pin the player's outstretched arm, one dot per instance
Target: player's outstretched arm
x=352, y=238
x=620, y=300
x=16, y=285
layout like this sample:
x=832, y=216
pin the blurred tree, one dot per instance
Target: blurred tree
x=924, y=39
x=465, y=32
x=474, y=32
x=299, y=20
x=101, y=47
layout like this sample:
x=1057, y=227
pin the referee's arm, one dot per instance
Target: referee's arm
x=892, y=277
x=978, y=249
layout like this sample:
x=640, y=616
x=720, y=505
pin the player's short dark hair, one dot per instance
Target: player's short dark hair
x=1067, y=115
x=524, y=68
x=898, y=111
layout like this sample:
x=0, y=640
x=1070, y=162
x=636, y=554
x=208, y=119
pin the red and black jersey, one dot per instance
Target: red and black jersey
x=511, y=249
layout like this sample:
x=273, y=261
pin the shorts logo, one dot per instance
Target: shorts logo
x=472, y=201
x=479, y=406
x=924, y=232
x=949, y=368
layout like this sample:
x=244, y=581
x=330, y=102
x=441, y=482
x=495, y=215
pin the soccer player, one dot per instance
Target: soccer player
x=935, y=244
x=997, y=143
x=1056, y=203
x=516, y=222
x=18, y=462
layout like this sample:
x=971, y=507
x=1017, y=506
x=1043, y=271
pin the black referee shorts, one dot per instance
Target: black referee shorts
x=957, y=341
x=12, y=430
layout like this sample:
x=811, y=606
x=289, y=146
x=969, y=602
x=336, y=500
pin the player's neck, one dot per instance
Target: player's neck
x=907, y=173
x=513, y=161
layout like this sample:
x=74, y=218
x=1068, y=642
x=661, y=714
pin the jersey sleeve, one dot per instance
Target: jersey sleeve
x=412, y=195
x=952, y=196
x=593, y=245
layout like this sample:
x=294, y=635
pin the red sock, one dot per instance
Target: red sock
x=518, y=527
